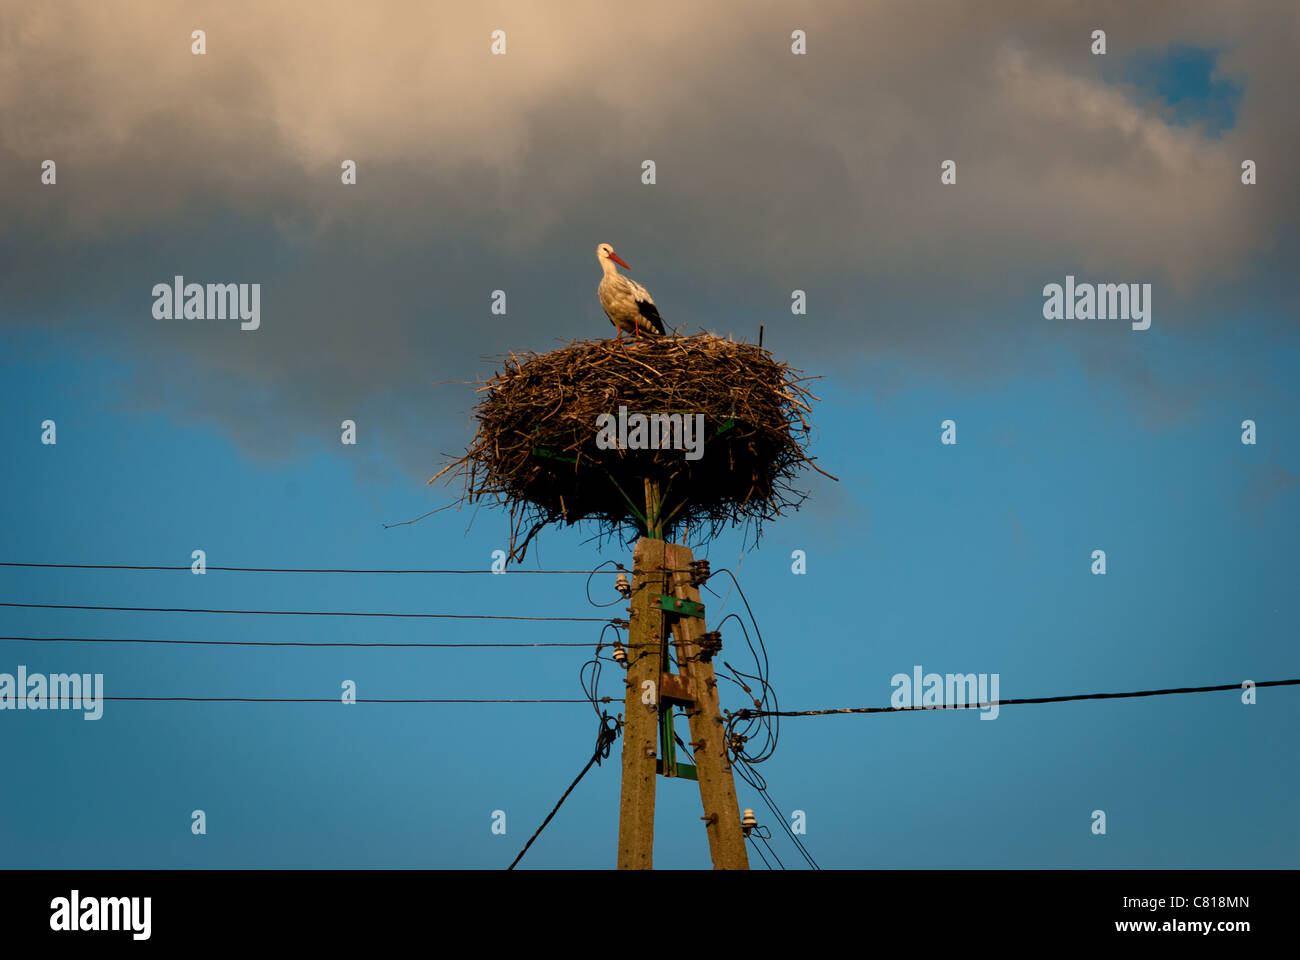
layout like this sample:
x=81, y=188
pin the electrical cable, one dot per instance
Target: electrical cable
x=772, y=852
x=328, y=700
x=143, y=566
x=746, y=713
x=596, y=667
x=760, y=855
x=605, y=738
x=306, y=613
x=290, y=643
x=618, y=569
x=765, y=795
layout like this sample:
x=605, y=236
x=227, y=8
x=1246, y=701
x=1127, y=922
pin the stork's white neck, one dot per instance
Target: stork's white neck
x=608, y=266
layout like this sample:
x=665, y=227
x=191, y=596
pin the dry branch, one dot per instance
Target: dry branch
x=535, y=449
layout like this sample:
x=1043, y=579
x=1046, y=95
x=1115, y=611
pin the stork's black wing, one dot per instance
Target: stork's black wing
x=650, y=313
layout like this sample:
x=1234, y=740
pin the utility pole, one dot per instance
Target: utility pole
x=665, y=587
x=636, y=812
x=695, y=650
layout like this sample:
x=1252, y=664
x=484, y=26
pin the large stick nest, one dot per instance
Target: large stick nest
x=536, y=449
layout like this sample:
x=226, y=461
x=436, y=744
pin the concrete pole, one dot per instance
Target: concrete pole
x=636, y=816
x=708, y=731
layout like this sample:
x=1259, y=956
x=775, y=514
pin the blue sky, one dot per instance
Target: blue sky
x=967, y=558
x=1072, y=436
x=1185, y=79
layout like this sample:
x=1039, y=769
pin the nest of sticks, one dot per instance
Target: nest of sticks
x=552, y=448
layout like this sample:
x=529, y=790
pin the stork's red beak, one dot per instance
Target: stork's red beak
x=619, y=260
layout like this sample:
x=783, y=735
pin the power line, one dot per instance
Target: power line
x=761, y=857
x=760, y=784
x=326, y=700
x=147, y=566
x=759, y=851
x=595, y=665
x=745, y=714
x=588, y=700
x=309, y=613
x=763, y=840
x=286, y=643
x=768, y=723
x=605, y=738
x=618, y=568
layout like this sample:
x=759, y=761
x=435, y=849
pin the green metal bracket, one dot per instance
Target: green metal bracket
x=543, y=452
x=667, y=744
x=684, y=770
x=667, y=764
x=683, y=608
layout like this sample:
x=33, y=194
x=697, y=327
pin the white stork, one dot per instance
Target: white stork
x=627, y=304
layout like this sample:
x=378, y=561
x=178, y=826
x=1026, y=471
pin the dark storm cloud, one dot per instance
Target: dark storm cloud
x=479, y=173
